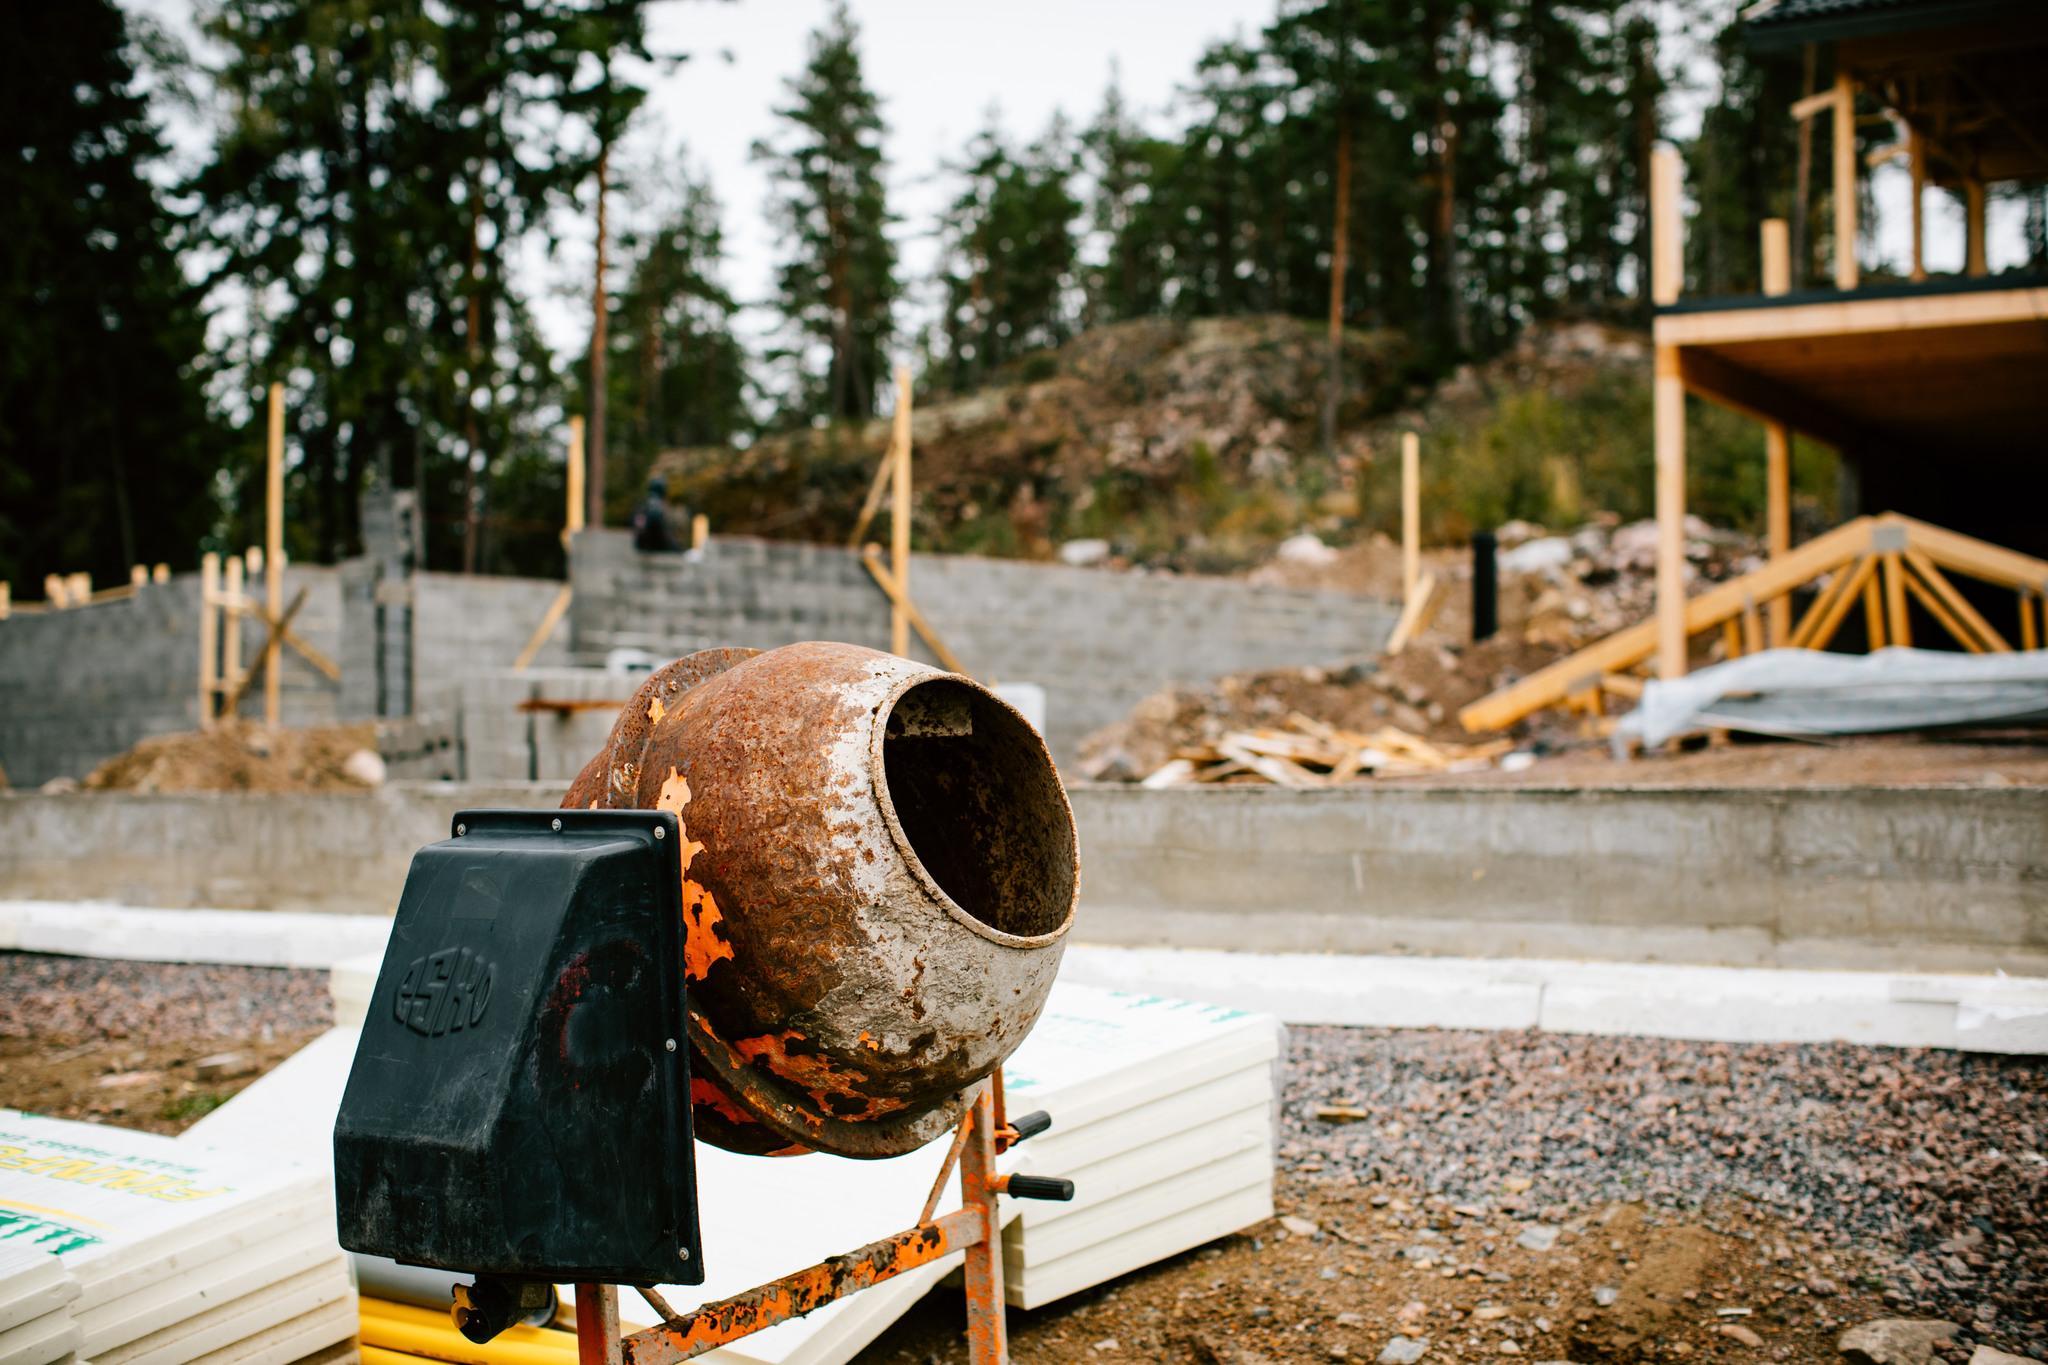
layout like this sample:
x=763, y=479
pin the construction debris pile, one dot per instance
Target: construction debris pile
x=245, y=756
x=1397, y=716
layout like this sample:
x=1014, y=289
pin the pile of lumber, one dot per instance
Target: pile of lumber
x=1309, y=753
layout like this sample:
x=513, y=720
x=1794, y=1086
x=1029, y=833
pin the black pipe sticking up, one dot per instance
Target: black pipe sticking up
x=1485, y=587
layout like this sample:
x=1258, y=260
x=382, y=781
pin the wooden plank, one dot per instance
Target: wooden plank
x=1778, y=517
x=1873, y=610
x=1670, y=457
x=1975, y=265
x=233, y=700
x=1752, y=628
x=209, y=640
x=1731, y=640
x=1414, y=615
x=2030, y=635
x=1626, y=648
x=1957, y=603
x=550, y=618
x=273, y=553
x=231, y=630
x=573, y=509
x=1838, y=609
x=700, y=531
x=1743, y=390
x=1853, y=317
x=871, y=557
x=1777, y=257
x=1916, y=150
x=1977, y=558
x=1943, y=617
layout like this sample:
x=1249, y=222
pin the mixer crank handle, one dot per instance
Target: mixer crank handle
x=1028, y=1125
x=1039, y=1187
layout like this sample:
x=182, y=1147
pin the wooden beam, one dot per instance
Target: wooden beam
x=1847, y=317
x=2030, y=634
x=1917, y=146
x=1899, y=627
x=1956, y=602
x=1411, y=515
x=1805, y=633
x=1838, y=609
x=549, y=619
x=1754, y=395
x=1626, y=648
x=278, y=624
x=1752, y=628
x=899, y=521
x=1814, y=104
x=1778, y=516
x=1415, y=615
x=1845, y=181
x=1874, y=634
x=1943, y=617
x=231, y=629
x=1977, y=264
x=871, y=556
x=1977, y=558
x=1669, y=417
x=1667, y=230
x=700, y=531
x=273, y=553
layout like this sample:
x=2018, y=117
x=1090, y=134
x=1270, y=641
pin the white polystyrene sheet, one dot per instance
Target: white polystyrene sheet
x=205, y=1243
x=111, y=1202
x=291, y=1108
x=1142, y=1206
x=1812, y=692
x=32, y=1283
x=265, y=938
x=278, y=1305
x=1171, y=1155
x=207, y=1287
x=1033, y=1286
x=1064, y=1150
x=315, y=1333
x=39, y=1341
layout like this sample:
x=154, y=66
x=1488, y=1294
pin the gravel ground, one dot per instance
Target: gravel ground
x=78, y=997
x=1931, y=1165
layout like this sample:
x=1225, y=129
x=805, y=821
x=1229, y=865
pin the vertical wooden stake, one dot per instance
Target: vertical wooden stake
x=1845, y=181
x=1873, y=614
x=1670, y=443
x=700, y=531
x=79, y=589
x=899, y=516
x=1667, y=232
x=231, y=627
x=209, y=637
x=1411, y=516
x=273, y=554
x=572, y=519
x=54, y=591
x=1897, y=627
x=138, y=575
x=1916, y=148
x=7, y=599
x=2030, y=635
x=1777, y=257
x=1973, y=204
x=1778, y=517
x=160, y=574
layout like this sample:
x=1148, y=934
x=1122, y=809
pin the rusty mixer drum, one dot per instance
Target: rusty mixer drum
x=879, y=869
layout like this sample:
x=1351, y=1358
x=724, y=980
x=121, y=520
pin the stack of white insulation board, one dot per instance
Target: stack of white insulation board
x=36, y=1293
x=1162, y=1117
x=178, y=1253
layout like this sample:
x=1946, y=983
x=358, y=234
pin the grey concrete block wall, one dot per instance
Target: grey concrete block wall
x=1098, y=642
x=79, y=686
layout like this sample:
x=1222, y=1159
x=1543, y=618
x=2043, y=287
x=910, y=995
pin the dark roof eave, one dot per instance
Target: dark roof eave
x=1791, y=24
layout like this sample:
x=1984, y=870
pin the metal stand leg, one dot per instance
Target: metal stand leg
x=597, y=1325
x=987, y=1332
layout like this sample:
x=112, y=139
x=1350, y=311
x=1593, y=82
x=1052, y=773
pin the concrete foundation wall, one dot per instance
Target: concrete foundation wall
x=79, y=686
x=1899, y=879
x=1098, y=642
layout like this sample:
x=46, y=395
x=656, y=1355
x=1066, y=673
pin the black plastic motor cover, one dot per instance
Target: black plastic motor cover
x=519, y=1103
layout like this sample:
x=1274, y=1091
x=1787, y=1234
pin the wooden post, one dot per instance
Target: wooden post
x=273, y=555
x=1898, y=628
x=700, y=531
x=1411, y=515
x=138, y=575
x=1667, y=232
x=231, y=627
x=1973, y=204
x=572, y=518
x=1778, y=517
x=1777, y=257
x=209, y=637
x=7, y=599
x=1916, y=152
x=899, y=516
x=53, y=591
x=160, y=574
x=1845, y=181
x=1667, y=262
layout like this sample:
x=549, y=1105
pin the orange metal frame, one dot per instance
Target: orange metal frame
x=973, y=1228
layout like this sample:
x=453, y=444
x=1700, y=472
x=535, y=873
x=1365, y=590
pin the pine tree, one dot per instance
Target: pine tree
x=838, y=286
x=106, y=446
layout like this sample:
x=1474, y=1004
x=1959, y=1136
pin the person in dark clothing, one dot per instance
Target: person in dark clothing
x=650, y=519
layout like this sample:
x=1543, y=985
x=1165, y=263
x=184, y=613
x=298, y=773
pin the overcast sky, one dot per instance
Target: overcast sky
x=939, y=66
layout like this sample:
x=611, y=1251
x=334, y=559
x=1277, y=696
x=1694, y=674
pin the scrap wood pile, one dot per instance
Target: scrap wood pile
x=1309, y=753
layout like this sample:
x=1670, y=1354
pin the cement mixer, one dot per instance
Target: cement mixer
x=805, y=900
x=878, y=876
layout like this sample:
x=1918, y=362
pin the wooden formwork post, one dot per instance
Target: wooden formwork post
x=231, y=627
x=273, y=554
x=209, y=637
x=1777, y=257
x=700, y=531
x=1667, y=232
x=1916, y=155
x=899, y=516
x=1778, y=517
x=7, y=599
x=572, y=516
x=1845, y=181
x=1667, y=268
x=1977, y=263
x=1411, y=516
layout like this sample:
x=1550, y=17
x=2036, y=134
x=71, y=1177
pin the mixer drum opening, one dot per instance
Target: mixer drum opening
x=976, y=806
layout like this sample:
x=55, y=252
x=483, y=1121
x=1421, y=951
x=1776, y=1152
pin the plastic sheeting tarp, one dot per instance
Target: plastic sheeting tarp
x=1807, y=692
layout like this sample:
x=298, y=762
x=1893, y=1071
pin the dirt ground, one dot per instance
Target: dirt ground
x=1497, y=1196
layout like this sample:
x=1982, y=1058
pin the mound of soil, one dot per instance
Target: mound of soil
x=245, y=757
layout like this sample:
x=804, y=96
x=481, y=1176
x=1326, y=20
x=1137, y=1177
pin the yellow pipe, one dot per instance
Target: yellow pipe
x=419, y=1331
